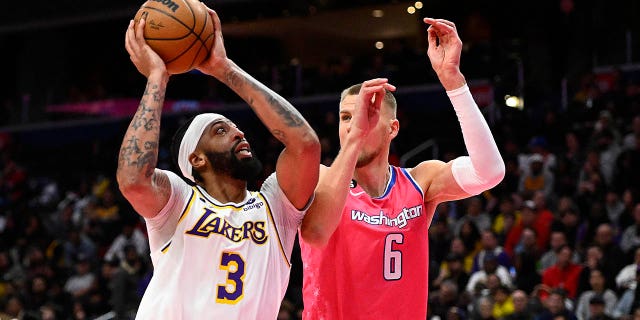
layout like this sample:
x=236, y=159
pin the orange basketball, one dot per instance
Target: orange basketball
x=180, y=31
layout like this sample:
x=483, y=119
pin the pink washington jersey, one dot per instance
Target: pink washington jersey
x=375, y=265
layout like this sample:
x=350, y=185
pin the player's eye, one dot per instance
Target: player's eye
x=221, y=130
x=345, y=117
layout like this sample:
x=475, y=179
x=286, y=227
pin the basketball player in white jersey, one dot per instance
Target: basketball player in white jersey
x=218, y=250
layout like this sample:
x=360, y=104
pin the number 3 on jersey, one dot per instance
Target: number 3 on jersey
x=392, y=258
x=232, y=291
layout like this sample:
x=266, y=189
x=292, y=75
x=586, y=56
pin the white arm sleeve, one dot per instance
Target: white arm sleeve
x=483, y=168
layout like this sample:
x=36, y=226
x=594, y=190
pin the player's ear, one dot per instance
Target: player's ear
x=394, y=127
x=197, y=159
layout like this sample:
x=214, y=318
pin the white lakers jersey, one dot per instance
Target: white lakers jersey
x=217, y=260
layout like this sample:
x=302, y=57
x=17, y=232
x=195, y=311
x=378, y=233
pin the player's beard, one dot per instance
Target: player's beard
x=247, y=169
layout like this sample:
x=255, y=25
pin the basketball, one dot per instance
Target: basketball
x=180, y=31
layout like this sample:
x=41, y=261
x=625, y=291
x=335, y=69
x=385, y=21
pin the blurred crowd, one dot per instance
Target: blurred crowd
x=559, y=238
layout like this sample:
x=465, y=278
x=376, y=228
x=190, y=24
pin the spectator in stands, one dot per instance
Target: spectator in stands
x=452, y=270
x=506, y=218
x=629, y=301
x=77, y=245
x=123, y=284
x=598, y=309
x=475, y=214
x=599, y=290
x=614, y=208
x=129, y=236
x=631, y=236
x=563, y=275
x=549, y=258
x=612, y=256
x=82, y=280
x=489, y=244
x=478, y=279
x=526, y=260
x=521, y=309
x=536, y=178
x=555, y=306
x=528, y=219
x=626, y=278
x=502, y=302
x=631, y=138
x=442, y=300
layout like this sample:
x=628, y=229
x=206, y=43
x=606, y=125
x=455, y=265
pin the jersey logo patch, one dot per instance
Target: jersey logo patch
x=400, y=221
x=210, y=223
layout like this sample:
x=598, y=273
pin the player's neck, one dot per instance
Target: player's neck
x=373, y=177
x=226, y=189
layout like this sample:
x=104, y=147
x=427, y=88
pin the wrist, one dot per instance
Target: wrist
x=161, y=76
x=218, y=68
x=452, y=79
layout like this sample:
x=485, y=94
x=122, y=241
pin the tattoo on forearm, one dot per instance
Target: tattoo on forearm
x=147, y=117
x=135, y=152
x=291, y=116
x=234, y=79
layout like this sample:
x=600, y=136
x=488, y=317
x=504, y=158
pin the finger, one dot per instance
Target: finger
x=446, y=22
x=432, y=37
x=389, y=87
x=127, y=44
x=140, y=30
x=443, y=29
x=378, y=97
x=374, y=82
x=131, y=40
x=217, y=26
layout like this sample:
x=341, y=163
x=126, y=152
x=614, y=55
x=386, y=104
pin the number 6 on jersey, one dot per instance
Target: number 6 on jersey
x=392, y=258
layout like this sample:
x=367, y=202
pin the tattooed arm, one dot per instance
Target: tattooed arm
x=146, y=188
x=298, y=165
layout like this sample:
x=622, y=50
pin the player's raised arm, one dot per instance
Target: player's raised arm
x=147, y=189
x=484, y=167
x=358, y=116
x=297, y=166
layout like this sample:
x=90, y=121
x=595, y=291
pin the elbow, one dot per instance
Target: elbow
x=309, y=144
x=130, y=185
x=498, y=172
x=494, y=174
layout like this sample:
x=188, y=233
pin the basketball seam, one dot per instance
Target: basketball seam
x=193, y=14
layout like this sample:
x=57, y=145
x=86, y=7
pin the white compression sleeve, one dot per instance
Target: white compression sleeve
x=483, y=168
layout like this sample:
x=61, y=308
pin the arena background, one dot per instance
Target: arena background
x=68, y=90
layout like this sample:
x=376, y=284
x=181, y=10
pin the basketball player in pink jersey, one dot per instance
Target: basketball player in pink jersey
x=365, y=237
x=218, y=250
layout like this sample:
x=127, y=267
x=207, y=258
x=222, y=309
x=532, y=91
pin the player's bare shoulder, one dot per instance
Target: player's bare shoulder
x=427, y=170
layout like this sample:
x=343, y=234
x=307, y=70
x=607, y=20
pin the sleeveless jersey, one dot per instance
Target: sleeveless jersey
x=375, y=265
x=217, y=260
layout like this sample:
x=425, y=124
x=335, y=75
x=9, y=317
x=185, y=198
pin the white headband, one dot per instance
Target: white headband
x=190, y=141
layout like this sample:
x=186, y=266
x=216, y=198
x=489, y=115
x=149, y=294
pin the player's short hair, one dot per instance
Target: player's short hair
x=175, y=151
x=389, y=99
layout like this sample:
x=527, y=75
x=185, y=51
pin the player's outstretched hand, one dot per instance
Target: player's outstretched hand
x=143, y=57
x=218, y=53
x=368, y=103
x=445, y=48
